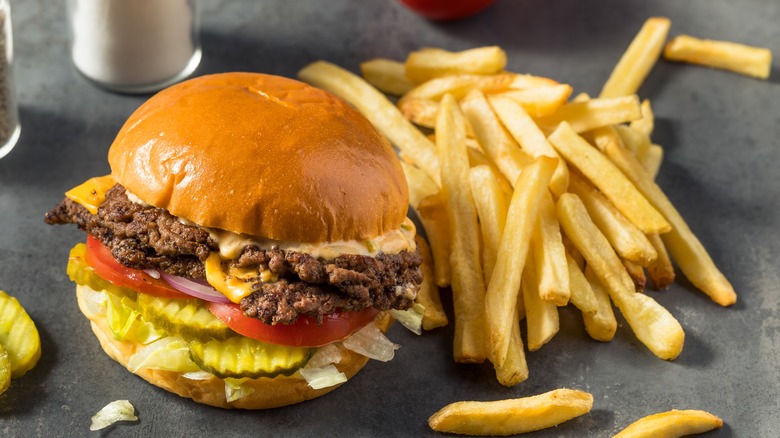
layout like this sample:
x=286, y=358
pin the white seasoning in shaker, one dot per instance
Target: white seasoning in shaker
x=135, y=45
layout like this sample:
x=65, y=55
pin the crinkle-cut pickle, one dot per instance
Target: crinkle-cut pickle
x=5, y=370
x=188, y=318
x=18, y=336
x=244, y=357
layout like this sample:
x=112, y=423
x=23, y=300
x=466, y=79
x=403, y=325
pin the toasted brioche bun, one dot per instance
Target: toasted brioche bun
x=261, y=155
x=268, y=392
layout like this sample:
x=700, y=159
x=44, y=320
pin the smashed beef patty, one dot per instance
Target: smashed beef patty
x=146, y=237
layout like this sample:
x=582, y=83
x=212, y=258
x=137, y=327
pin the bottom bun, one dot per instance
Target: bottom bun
x=268, y=392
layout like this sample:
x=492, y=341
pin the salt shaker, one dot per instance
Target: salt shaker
x=9, y=112
x=135, y=46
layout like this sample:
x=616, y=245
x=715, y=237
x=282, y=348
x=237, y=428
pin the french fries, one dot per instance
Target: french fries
x=514, y=370
x=552, y=272
x=428, y=295
x=429, y=63
x=738, y=58
x=652, y=324
x=529, y=137
x=387, y=75
x=504, y=285
x=514, y=416
x=593, y=113
x=646, y=124
x=660, y=270
x=671, y=424
x=491, y=208
x=468, y=285
x=582, y=295
x=685, y=248
x=421, y=112
x=639, y=59
x=601, y=325
x=433, y=214
x=458, y=86
x=378, y=109
x=612, y=183
x=541, y=316
x=539, y=101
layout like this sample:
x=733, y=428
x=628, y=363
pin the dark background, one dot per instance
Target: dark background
x=719, y=131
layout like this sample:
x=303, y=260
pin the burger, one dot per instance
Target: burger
x=250, y=244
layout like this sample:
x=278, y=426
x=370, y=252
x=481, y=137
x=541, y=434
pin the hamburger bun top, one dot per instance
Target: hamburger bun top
x=261, y=155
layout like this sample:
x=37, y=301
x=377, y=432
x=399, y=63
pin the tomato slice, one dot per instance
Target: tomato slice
x=304, y=332
x=106, y=266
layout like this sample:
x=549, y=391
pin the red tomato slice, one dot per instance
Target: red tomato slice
x=446, y=9
x=106, y=266
x=304, y=332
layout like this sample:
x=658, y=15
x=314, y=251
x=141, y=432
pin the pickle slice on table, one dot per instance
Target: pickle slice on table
x=188, y=318
x=18, y=336
x=239, y=356
x=5, y=370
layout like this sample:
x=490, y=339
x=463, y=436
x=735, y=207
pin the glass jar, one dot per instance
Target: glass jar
x=9, y=112
x=135, y=46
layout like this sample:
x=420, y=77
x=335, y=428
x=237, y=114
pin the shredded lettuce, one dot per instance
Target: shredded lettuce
x=372, y=343
x=170, y=354
x=119, y=410
x=235, y=389
x=411, y=319
x=198, y=375
x=325, y=355
x=323, y=377
x=126, y=323
x=94, y=302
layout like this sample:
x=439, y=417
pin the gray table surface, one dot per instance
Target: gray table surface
x=720, y=132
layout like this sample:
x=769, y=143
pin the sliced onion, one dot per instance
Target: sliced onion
x=194, y=288
x=154, y=273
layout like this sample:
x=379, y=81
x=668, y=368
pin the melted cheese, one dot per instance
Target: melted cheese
x=92, y=192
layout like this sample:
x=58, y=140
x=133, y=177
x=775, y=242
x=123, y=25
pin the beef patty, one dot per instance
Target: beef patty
x=146, y=237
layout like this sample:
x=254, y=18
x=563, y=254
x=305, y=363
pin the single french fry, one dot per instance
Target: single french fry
x=515, y=368
x=433, y=215
x=602, y=325
x=660, y=271
x=541, y=316
x=540, y=101
x=514, y=416
x=637, y=274
x=521, y=81
x=458, y=86
x=552, y=273
x=529, y=137
x=739, y=58
x=421, y=112
x=477, y=157
x=638, y=59
x=582, y=295
x=378, y=109
x=468, y=284
x=652, y=160
x=633, y=140
x=387, y=75
x=428, y=295
x=607, y=178
x=628, y=240
x=686, y=249
x=492, y=136
x=491, y=209
x=573, y=252
x=420, y=184
x=671, y=424
x=646, y=124
x=601, y=137
x=428, y=63
x=652, y=324
x=504, y=285
x=594, y=113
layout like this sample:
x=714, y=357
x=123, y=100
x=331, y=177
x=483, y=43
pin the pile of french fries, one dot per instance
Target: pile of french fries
x=533, y=199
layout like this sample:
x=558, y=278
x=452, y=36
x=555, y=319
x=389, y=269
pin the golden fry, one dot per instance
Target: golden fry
x=646, y=124
x=426, y=64
x=433, y=215
x=739, y=58
x=515, y=368
x=491, y=208
x=685, y=248
x=541, y=316
x=387, y=75
x=582, y=295
x=652, y=324
x=514, y=416
x=552, y=273
x=529, y=137
x=637, y=274
x=660, y=271
x=468, y=285
x=633, y=140
x=458, y=86
x=607, y=178
x=428, y=295
x=421, y=112
x=540, y=101
x=671, y=424
x=526, y=81
x=594, y=113
x=639, y=59
x=378, y=109
x=504, y=285
x=601, y=325
x=652, y=160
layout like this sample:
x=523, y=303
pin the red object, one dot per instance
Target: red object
x=303, y=333
x=446, y=9
x=106, y=266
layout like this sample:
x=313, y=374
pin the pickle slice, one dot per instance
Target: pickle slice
x=18, y=336
x=188, y=318
x=239, y=356
x=5, y=370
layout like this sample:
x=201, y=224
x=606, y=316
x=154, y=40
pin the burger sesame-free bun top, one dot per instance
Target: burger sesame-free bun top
x=261, y=155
